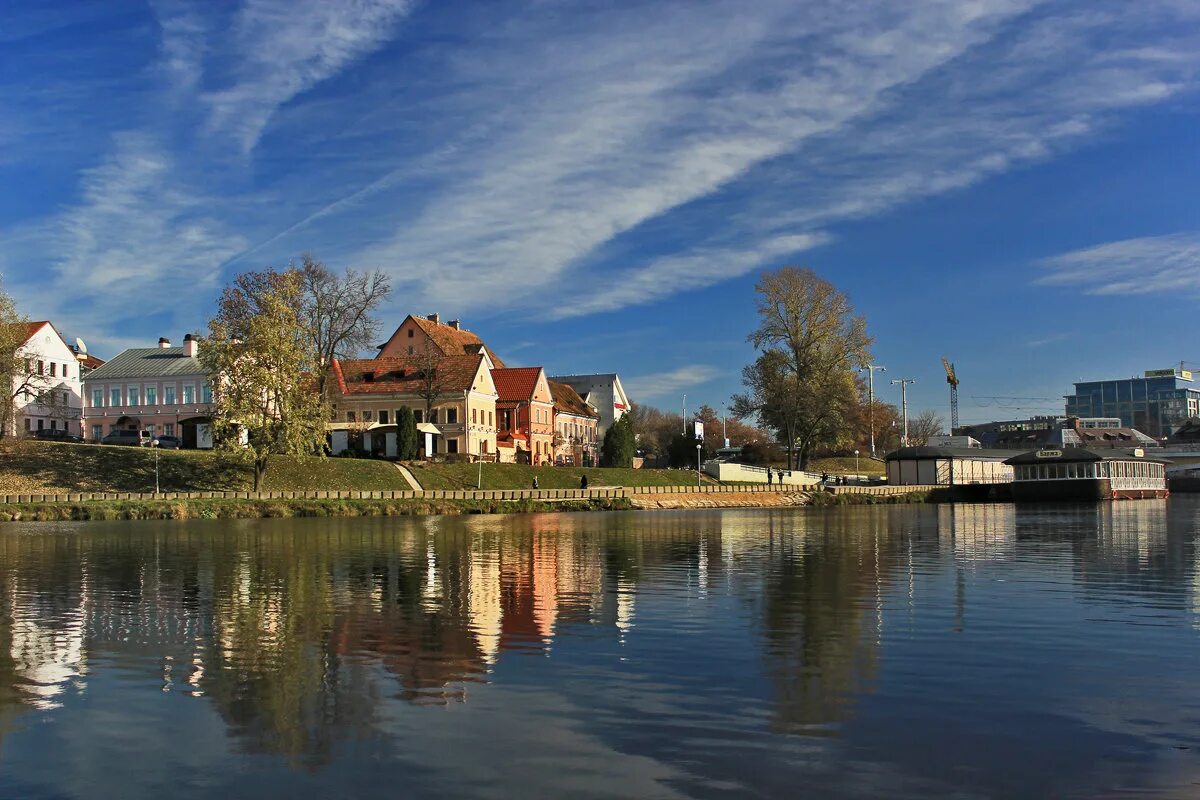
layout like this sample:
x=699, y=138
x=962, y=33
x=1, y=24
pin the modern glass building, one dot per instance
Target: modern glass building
x=1156, y=403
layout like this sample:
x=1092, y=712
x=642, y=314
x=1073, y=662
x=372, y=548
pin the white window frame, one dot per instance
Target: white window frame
x=133, y=395
x=114, y=395
x=170, y=395
x=150, y=390
x=188, y=389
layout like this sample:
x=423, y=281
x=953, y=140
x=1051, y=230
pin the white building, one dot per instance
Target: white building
x=602, y=392
x=49, y=395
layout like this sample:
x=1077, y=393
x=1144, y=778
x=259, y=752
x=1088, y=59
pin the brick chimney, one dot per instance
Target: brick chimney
x=163, y=343
x=456, y=324
x=435, y=318
x=190, y=346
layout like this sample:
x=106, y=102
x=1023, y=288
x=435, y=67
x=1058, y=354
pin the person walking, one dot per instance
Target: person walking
x=535, y=484
x=583, y=481
x=768, y=477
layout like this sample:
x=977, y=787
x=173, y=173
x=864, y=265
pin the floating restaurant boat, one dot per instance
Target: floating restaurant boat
x=1080, y=473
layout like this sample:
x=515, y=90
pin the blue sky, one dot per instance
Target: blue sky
x=595, y=186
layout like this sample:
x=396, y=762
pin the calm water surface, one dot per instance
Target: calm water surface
x=968, y=651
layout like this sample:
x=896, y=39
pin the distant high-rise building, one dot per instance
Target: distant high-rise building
x=1156, y=403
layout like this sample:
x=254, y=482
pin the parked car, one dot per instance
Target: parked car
x=169, y=443
x=56, y=435
x=128, y=438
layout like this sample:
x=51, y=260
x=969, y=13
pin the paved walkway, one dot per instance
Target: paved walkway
x=408, y=476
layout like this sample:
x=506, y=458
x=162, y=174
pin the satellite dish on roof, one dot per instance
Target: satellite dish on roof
x=79, y=345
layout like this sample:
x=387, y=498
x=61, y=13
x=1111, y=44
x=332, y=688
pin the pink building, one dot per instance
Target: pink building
x=162, y=390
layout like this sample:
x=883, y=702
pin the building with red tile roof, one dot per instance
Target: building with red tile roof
x=525, y=409
x=575, y=427
x=419, y=334
x=48, y=394
x=452, y=396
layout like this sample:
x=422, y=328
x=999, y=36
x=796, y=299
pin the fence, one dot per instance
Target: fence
x=599, y=493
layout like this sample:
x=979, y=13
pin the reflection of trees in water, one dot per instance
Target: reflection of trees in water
x=824, y=582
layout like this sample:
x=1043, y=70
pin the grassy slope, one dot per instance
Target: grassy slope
x=49, y=467
x=520, y=476
x=844, y=465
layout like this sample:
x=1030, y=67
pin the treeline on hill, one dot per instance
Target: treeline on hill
x=804, y=394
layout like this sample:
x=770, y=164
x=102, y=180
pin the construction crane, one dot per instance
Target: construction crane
x=952, y=379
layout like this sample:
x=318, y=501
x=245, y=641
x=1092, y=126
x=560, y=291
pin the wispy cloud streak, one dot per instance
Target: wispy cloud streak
x=1147, y=265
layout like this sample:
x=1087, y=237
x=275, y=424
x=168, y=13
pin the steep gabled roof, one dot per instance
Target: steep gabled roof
x=398, y=375
x=31, y=329
x=515, y=384
x=568, y=401
x=454, y=341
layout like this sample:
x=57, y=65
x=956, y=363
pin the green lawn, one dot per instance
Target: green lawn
x=53, y=467
x=845, y=465
x=520, y=476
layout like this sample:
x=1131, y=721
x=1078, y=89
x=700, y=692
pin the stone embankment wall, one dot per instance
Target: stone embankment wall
x=653, y=496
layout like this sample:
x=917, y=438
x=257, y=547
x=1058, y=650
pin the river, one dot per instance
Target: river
x=968, y=651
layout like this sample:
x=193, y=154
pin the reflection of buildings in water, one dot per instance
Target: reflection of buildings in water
x=978, y=532
x=626, y=607
x=483, y=598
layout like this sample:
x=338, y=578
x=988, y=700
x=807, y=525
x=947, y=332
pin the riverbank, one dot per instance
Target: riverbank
x=245, y=505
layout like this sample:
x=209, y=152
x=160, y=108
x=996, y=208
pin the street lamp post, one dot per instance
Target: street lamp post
x=154, y=447
x=871, y=370
x=698, y=446
x=856, y=472
x=904, y=382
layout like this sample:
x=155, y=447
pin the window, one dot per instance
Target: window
x=452, y=445
x=189, y=393
x=433, y=416
x=410, y=335
x=134, y=394
x=64, y=372
x=206, y=392
x=368, y=415
x=410, y=347
x=350, y=417
x=151, y=395
x=169, y=394
x=491, y=420
x=383, y=416
x=451, y=416
x=41, y=367
x=150, y=430
x=418, y=415
x=97, y=431
x=168, y=429
x=114, y=397
x=97, y=398
x=28, y=424
x=53, y=370
x=473, y=420
x=53, y=424
x=41, y=424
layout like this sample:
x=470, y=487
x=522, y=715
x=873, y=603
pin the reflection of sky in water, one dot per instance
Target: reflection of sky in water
x=978, y=651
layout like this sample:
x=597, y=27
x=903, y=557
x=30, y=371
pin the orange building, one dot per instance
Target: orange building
x=525, y=415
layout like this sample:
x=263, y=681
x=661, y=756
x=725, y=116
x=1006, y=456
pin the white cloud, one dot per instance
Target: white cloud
x=285, y=47
x=669, y=383
x=1147, y=265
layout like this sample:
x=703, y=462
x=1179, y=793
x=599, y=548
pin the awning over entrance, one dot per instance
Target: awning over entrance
x=428, y=427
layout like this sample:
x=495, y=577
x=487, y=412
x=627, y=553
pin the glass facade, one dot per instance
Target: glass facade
x=1153, y=405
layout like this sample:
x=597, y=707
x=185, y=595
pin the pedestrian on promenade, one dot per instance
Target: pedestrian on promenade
x=535, y=482
x=583, y=481
x=781, y=477
x=768, y=477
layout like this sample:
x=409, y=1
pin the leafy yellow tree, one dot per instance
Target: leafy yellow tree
x=265, y=366
x=802, y=385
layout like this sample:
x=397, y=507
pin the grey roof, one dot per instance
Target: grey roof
x=146, y=362
x=593, y=377
x=974, y=453
x=1067, y=454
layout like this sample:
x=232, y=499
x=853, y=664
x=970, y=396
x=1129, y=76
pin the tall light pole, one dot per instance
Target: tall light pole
x=904, y=382
x=871, y=369
x=685, y=415
x=154, y=446
x=698, y=446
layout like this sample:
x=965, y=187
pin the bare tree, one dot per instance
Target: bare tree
x=432, y=385
x=924, y=427
x=339, y=309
